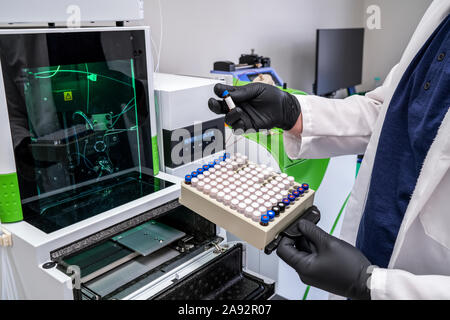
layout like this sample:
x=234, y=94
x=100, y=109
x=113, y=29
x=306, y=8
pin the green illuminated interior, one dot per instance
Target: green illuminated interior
x=88, y=124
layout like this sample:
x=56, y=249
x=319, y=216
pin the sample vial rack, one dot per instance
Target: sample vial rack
x=249, y=200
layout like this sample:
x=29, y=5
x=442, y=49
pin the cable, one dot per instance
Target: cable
x=37, y=75
x=52, y=75
x=125, y=109
x=81, y=113
x=87, y=77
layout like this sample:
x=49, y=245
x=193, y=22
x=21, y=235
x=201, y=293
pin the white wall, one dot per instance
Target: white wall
x=199, y=32
x=384, y=47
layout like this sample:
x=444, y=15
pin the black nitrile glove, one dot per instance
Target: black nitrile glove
x=326, y=262
x=258, y=106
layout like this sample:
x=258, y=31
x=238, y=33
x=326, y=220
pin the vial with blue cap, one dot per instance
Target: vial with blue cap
x=211, y=164
x=296, y=193
x=271, y=215
x=286, y=201
x=291, y=198
x=227, y=97
x=194, y=174
x=205, y=167
x=301, y=190
x=305, y=187
x=264, y=220
x=188, y=179
x=200, y=170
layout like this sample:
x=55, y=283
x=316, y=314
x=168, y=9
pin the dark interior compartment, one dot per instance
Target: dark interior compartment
x=110, y=270
x=221, y=279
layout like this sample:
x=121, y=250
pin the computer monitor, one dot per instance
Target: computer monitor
x=339, y=56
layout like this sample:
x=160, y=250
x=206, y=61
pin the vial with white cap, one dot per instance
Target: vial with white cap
x=194, y=182
x=255, y=206
x=213, y=183
x=200, y=185
x=260, y=177
x=256, y=216
x=268, y=205
x=227, y=97
x=220, y=196
x=227, y=199
x=213, y=193
x=249, y=212
x=251, y=190
x=234, y=204
x=274, y=201
x=241, y=208
x=207, y=189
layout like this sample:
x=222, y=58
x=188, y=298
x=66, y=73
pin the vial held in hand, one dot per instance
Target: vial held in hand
x=230, y=103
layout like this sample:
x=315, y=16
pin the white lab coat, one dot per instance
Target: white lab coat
x=420, y=264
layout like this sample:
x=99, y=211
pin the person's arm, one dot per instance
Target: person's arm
x=333, y=127
x=394, y=284
x=331, y=264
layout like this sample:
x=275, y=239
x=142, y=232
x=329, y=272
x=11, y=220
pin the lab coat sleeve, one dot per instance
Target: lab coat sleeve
x=394, y=284
x=333, y=127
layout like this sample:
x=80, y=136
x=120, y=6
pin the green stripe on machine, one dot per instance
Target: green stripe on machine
x=10, y=206
x=155, y=155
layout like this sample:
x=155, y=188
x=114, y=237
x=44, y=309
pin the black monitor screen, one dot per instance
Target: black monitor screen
x=339, y=56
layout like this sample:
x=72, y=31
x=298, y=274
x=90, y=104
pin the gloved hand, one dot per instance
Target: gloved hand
x=258, y=106
x=326, y=262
